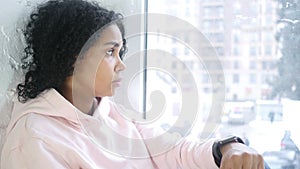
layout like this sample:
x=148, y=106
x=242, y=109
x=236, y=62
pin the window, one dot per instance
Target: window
x=250, y=34
x=215, y=37
x=268, y=50
x=253, y=37
x=269, y=9
x=252, y=78
x=253, y=51
x=190, y=64
x=252, y=65
x=268, y=20
x=219, y=25
x=205, y=78
x=207, y=11
x=236, y=38
x=268, y=36
x=264, y=65
x=220, y=51
x=206, y=25
x=254, y=8
x=236, y=65
x=215, y=24
x=215, y=11
x=236, y=8
x=236, y=78
x=236, y=51
x=174, y=51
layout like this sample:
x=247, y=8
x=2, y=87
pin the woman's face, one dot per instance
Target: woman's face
x=99, y=70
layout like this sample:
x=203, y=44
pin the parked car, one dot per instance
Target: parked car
x=285, y=159
x=236, y=117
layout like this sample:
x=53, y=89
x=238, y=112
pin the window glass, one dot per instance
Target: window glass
x=265, y=36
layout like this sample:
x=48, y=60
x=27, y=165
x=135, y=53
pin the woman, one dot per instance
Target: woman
x=61, y=118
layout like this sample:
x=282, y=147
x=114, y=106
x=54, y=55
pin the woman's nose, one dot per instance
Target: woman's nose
x=120, y=65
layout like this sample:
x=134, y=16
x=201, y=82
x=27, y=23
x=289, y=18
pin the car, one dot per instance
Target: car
x=236, y=117
x=283, y=159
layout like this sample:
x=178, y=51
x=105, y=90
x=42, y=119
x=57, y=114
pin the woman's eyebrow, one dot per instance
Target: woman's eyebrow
x=112, y=43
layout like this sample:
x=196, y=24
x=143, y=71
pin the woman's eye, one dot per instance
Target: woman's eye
x=110, y=52
x=121, y=53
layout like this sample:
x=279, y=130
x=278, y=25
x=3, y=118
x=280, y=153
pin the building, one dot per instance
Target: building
x=241, y=32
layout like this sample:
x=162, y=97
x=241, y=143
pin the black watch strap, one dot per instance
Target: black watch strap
x=216, y=148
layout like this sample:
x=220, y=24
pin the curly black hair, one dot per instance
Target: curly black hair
x=54, y=36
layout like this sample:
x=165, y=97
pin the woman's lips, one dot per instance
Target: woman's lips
x=117, y=82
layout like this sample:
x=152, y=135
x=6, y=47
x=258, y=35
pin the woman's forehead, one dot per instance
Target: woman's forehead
x=109, y=35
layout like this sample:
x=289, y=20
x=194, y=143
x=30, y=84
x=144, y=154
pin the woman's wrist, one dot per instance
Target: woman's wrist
x=221, y=146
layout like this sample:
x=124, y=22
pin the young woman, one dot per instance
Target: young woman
x=61, y=117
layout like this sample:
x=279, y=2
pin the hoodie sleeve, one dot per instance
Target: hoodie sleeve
x=171, y=151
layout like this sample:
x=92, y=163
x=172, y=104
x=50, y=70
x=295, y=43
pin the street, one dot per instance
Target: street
x=262, y=135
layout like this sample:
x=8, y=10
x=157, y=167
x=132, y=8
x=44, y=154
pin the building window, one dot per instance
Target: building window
x=236, y=51
x=174, y=51
x=205, y=78
x=220, y=51
x=268, y=50
x=236, y=65
x=217, y=11
x=206, y=25
x=264, y=65
x=215, y=37
x=189, y=64
x=220, y=11
x=207, y=12
x=219, y=25
x=252, y=65
x=236, y=78
x=268, y=37
x=254, y=37
x=252, y=78
x=187, y=12
x=253, y=51
x=254, y=8
x=268, y=20
x=237, y=8
x=220, y=37
x=236, y=38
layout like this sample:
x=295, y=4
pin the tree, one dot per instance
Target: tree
x=287, y=82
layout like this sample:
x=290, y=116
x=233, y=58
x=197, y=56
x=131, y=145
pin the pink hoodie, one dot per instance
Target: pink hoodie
x=50, y=133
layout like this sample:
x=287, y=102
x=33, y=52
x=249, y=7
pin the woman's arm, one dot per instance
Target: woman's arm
x=171, y=150
x=188, y=154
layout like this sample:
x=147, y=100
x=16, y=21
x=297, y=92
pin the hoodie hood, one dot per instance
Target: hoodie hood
x=49, y=103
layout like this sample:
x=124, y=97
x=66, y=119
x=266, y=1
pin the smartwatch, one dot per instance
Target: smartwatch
x=216, y=148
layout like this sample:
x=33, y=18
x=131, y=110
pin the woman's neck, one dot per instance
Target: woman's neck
x=79, y=97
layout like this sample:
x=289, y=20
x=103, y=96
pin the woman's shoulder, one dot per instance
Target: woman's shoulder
x=44, y=114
